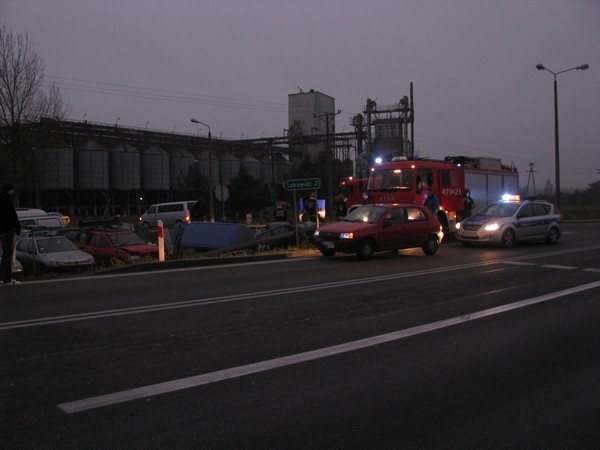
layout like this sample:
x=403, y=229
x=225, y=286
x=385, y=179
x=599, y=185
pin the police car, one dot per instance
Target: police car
x=511, y=220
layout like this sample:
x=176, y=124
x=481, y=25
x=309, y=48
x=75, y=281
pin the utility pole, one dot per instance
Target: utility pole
x=328, y=158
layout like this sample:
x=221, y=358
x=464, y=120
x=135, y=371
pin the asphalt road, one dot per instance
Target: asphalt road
x=470, y=348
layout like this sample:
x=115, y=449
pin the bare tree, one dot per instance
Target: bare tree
x=23, y=100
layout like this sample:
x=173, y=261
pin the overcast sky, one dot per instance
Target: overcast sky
x=232, y=64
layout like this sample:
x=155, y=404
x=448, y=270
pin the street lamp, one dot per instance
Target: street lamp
x=556, y=144
x=211, y=202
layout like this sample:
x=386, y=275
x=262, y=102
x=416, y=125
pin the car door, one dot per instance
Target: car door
x=392, y=229
x=100, y=247
x=540, y=224
x=525, y=224
x=24, y=253
x=416, y=228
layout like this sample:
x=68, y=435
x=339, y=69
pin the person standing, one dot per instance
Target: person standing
x=432, y=202
x=9, y=229
x=469, y=203
x=312, y=208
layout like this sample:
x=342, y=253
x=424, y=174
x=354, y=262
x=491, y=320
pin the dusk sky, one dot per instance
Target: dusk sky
x=232, y=64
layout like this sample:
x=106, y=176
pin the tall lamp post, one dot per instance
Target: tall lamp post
x=211, y=202
x=556, y=143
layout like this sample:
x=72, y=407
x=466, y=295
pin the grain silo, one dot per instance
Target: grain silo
x=229, y=168
x=252, y=166
x=125, y=167
x=202, y=160
x=283, y=169
x=179, y=163
x=155, y=168
x=54, y=165
x=92, y=166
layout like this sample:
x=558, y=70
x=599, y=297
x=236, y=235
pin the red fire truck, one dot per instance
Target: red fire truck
x=404, y=181
x=352, y=188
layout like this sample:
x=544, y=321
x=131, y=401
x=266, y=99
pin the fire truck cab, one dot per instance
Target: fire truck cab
x=404, y=181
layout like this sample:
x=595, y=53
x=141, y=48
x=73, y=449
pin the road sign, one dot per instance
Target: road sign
x=302, y=184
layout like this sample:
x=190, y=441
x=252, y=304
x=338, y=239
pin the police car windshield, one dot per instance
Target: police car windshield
x=499, y=210
x=366, y=214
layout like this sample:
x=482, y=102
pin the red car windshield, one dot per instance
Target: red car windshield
x=125, y=239
x=366, y=214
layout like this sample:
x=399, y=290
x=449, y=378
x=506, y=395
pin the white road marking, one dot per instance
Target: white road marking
x=556, y=266
x=520, y=263
x=230, y=298
x=235, y=372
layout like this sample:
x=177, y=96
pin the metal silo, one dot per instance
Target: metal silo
x=202, y=160
x=155, y=168
x=125, y=167
x=230, y=167
x=92, y=166
x=54, y=164
x=180, y=162
x=283, y=169
x=252, y=166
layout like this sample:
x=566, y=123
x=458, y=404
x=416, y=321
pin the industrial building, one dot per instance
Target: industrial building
x=83, y=168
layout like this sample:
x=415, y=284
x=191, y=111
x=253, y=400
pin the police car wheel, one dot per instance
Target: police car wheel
x=508, y=239
x=553, y=235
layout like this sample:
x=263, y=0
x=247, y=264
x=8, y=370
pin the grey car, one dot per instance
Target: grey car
x=46, y=253
x=17, y=267
x=512, y=220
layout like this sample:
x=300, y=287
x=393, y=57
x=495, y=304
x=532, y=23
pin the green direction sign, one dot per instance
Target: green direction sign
x=302, y=184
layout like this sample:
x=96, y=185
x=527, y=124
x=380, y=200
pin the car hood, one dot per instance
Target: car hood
x=140, y=249
x=69, y=257
x=478, y=220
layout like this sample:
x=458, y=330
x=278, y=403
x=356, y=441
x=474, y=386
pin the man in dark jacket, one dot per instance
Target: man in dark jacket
x=9, y=229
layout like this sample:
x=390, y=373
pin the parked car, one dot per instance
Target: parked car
x=170, y=213
x=112, y=244
x=512, y=220
x=47, y=253
x=66, y=219
x=373, y=228
x=38, y=218
x=283, y=234
x=17, y=267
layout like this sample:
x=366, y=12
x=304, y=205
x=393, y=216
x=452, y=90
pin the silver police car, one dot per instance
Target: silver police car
x=510, y=220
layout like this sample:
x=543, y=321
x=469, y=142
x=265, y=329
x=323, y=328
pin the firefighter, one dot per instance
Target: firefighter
x=468, y=205
x=340, y=206
x=432, y=202
x=312, y=207
x=281, y=212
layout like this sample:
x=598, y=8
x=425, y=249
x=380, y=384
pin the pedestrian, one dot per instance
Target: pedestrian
x=281, y=214
x=469, y=203
x=312, y=207
x=340, y=206
x=432, y=202
x=9, y=229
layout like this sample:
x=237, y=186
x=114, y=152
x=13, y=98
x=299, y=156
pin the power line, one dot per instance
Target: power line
x=97, y=87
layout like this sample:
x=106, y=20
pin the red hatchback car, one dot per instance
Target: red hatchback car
x=373, y=228
x=115, y=244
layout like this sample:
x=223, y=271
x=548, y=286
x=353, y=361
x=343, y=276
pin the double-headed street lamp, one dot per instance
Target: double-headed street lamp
x=556, y=144
x=211, y=202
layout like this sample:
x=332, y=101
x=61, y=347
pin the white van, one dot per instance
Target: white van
x=170, y=213
x=38, y=218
